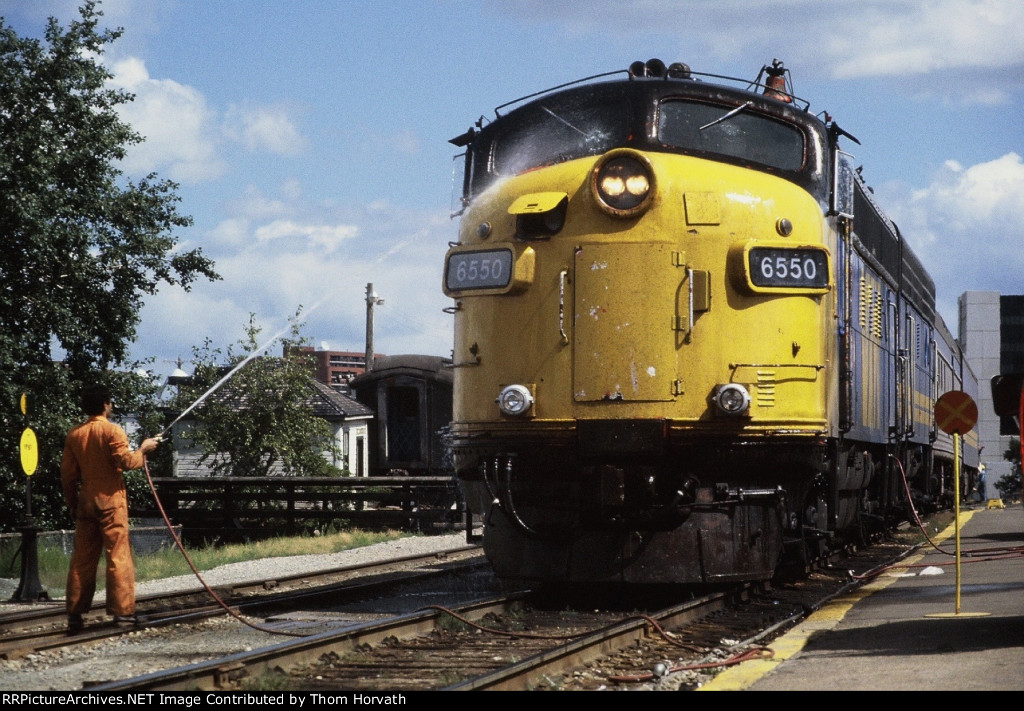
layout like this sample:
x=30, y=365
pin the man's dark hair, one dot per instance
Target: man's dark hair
x=95, y=399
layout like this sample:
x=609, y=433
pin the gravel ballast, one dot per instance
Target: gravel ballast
x=146, y=650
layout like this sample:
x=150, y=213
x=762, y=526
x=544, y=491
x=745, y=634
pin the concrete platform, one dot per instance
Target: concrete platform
x=913, y=628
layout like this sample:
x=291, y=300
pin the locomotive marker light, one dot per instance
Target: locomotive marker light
x=515, y=400
x=956, y=414
x=784, y=226
x=732, y=399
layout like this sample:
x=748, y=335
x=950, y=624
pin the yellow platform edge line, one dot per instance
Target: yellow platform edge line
x=741, y=676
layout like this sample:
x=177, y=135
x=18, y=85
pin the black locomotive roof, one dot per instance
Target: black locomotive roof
x=640, y=98
x=646, y=88
x=641, y=93
x=882, y=241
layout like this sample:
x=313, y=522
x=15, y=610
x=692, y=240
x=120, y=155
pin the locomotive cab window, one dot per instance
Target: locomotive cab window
x=732, y=131
x=557, y=131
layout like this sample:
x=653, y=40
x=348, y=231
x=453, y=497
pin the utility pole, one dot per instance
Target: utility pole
x=371, y=301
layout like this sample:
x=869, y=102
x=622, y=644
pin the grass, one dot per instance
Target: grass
x=169, y=562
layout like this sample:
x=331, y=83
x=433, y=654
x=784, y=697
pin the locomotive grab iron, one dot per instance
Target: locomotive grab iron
x=688, y=343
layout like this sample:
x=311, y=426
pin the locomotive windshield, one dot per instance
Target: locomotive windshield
x=553, y=132
x=737, y=133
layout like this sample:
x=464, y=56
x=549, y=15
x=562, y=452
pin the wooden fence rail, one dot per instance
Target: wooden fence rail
x=228, y=509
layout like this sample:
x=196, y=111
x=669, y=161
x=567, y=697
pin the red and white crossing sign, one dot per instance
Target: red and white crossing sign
x=956, y=413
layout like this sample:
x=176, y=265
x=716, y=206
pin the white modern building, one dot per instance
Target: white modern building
x=991, y=332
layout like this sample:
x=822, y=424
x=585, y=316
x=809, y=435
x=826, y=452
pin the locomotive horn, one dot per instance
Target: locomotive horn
x=650, y=68
x=655, y=68
x=678, y=70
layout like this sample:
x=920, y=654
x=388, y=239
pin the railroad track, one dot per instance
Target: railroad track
x=491, y=644
x=522, y=642
x=508, y=643
x=30, y=631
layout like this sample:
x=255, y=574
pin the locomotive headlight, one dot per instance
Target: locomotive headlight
x=515, y=400
x=732, y=399
x=623, y=183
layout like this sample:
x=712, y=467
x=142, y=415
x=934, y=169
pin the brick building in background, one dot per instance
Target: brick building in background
x=336, y=368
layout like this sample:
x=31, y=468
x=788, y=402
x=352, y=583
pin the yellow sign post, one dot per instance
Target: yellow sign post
x=29, y=451
x=956, y=414
x=29, y=588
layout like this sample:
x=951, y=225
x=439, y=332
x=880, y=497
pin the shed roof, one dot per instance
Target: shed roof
x=324, y=401
x=429, y=367
x=330, y=404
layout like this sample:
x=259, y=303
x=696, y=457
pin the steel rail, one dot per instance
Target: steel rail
x=227, y=672
x=25, y=632
x=524, y=675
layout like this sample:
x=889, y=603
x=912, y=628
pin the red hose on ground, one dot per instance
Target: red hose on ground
x=181, y=547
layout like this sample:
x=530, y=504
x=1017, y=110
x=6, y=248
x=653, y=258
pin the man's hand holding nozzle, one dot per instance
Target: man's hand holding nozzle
x=148, y=445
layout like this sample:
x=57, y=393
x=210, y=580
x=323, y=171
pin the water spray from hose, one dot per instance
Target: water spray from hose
x=212, y=389
x=394, y=249
x=227, y=376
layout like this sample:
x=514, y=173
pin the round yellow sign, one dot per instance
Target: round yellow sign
x=29, y=451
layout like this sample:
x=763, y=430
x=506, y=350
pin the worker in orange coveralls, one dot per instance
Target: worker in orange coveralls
x=95, y=455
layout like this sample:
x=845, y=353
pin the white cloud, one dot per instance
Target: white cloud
x=886, y=38
x=292, y=189
x=176, y=320
x=402, y=259
x=838, y=39
x=255, y=204
x=230, y=233
x=989, y=193
x=175, y=122
x=320, y=237
x=406, y=142
x=184, y=134
x=967, y=226
x=265, y=129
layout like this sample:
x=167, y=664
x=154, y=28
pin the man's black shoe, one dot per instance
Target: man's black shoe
x=75, y=624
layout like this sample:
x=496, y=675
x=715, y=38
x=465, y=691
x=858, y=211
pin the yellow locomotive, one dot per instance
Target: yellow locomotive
x=666, y=364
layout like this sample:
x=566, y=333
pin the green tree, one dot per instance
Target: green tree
x=260, y=419
x=83, y=245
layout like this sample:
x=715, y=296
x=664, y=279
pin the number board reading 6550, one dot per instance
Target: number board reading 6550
x=484, y=269
x=788, y=268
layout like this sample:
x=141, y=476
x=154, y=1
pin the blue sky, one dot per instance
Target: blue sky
x=310, y=138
